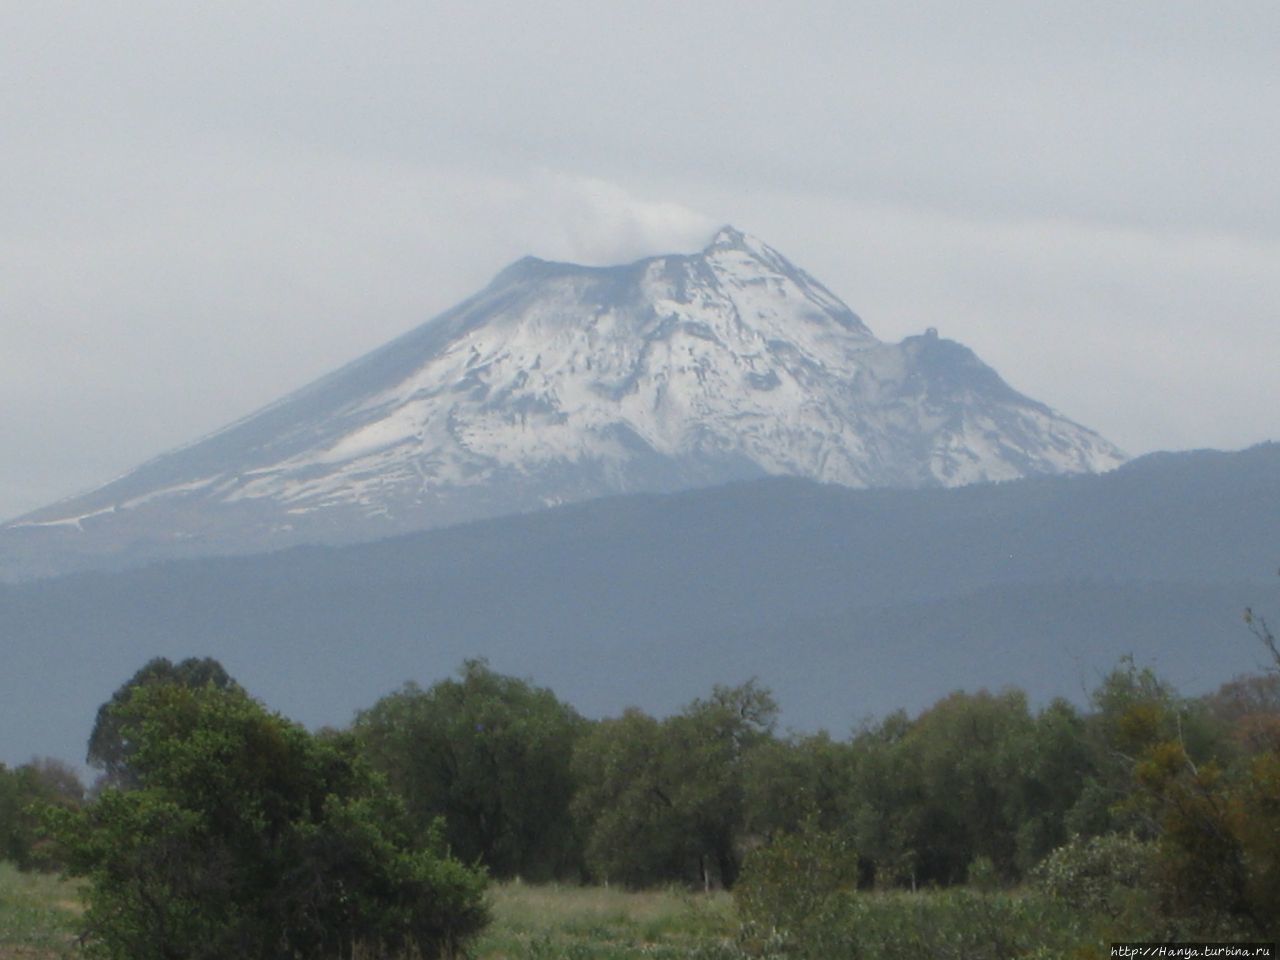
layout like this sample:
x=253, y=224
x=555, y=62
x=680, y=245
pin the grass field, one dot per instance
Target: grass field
x=38, y=915
x=597, y=923
x=39, y=919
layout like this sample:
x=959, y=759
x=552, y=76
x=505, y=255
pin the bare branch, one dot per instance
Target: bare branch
x=1259, y=628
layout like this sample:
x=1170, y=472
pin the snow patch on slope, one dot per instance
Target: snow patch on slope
x=559, y=382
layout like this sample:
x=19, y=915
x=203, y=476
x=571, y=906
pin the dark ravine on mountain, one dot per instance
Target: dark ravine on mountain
x=559, y=383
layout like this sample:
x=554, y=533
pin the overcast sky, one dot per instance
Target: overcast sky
x=206, y=205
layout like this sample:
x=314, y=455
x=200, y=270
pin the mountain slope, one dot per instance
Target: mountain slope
x=845, y=602
x=560, y=383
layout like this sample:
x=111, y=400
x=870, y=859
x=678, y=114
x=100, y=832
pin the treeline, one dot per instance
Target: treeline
x=979, y=788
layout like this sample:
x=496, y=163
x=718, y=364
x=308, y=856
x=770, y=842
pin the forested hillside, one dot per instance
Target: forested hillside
x=845, y=603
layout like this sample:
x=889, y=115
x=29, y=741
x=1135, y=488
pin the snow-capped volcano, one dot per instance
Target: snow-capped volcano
x=560, y=382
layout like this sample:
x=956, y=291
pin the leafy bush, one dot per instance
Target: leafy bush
x=788, y=883
x=1099, y=875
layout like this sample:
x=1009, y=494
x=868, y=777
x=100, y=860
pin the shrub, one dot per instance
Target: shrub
x=787, y=883
x=1098, y=875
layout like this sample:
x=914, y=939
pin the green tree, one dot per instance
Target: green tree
x=1052, y=764
x=625, y=804
x=109, y=749
x=666, y=800
x=1217, y=823
x=245, y=836
x=1134, y=712
x=797, y=781
x=709, y=747
x=966, y=750
x=886, y=803
x=490, y=754
x=975, y=779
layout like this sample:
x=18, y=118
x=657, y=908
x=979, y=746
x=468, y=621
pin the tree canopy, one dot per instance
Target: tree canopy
x=491, y=755
x=110, y=749
x=243, y=835
x=667, y=799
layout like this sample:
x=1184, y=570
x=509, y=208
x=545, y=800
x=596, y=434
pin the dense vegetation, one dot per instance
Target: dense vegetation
x=239, y=834
x=219, y=828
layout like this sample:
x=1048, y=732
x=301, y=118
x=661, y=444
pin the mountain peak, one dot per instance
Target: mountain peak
x=727, y=237
x=528, y=267
x=559, y=383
